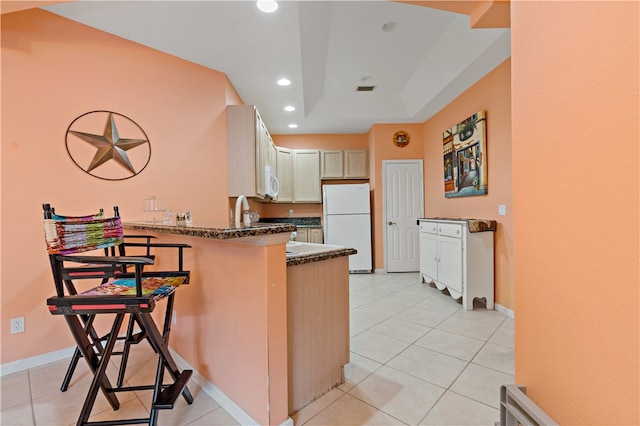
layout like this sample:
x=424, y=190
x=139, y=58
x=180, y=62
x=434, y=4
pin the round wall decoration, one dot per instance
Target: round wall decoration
x=401, y=139
x=94, y=144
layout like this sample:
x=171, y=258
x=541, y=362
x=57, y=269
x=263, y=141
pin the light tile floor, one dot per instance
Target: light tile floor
x=417, y=358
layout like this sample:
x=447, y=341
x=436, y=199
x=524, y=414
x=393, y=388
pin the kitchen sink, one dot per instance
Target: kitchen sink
x=299, y=248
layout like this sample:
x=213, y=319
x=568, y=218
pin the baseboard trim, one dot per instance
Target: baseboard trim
x=35, y=361
x=209, y=388
x=508, y=312
x=214, y=392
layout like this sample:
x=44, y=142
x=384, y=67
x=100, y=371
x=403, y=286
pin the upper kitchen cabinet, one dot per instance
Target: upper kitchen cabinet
x=298, y=171
x=356, y=164
x=331, y=164
x=306, y=176
x=251, y=153
x=344, y=164
x=284, y=171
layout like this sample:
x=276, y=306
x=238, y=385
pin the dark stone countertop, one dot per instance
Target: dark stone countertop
x=257, y=229
x=300, y=222
x=301, y=259
x=475, y=225
x=204, y=230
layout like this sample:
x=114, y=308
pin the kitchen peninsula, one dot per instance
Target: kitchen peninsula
x=276, y=336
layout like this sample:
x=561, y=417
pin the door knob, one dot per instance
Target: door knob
x=391, y=223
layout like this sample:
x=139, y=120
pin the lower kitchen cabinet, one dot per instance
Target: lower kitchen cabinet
x=309, y=235
x=317, y=329
x=454, y=258
x=315, y=235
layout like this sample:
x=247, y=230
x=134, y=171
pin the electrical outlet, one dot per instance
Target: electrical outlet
x=17, y=325
x=174, y=317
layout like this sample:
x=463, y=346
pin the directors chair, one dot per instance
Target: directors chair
x=131, y=337
x=124, y=289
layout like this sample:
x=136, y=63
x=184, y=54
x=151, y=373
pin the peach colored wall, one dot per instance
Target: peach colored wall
x=54, y=70
x=232, y=321
x=335, y=141
x=576, y=174
x=492, y=94
x=381, y=147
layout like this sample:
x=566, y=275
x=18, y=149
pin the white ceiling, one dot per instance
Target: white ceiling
x=325, y=48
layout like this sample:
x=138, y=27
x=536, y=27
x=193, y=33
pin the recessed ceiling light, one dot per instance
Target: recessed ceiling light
x=387, y=27
x=267, y=6
x=289, y=108
x=293, y=126
x=284, y=82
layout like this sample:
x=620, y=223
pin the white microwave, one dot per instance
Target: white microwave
x=271, y=183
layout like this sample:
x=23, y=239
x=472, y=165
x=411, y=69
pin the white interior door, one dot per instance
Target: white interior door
x=403, y=205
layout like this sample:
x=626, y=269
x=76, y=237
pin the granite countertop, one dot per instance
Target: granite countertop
x=475, y=225
x=301, y=259
x=257, y=229
x=300, y=222
x=209, y=231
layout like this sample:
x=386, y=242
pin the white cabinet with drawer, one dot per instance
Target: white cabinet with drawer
x=458, y=260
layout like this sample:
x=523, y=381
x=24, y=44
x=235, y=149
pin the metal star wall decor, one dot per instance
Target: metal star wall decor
x=107, y=146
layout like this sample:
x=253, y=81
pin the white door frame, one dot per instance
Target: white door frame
x=384, y=200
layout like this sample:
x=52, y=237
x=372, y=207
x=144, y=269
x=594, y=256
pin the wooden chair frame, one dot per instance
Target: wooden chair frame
x=80, y=310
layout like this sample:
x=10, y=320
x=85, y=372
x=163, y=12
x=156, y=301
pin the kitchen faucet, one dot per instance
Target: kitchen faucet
x=245, y=211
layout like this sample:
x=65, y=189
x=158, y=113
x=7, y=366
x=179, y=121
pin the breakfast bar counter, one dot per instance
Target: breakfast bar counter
x=205, y=230
x=248, y=324
x=296, y=253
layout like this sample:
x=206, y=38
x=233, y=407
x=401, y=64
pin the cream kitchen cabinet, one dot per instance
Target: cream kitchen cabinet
x=302, y=235
x=250, y=150
x=306, y=176
x=456, y=259
x=298, y=171
x=315, y=235
x=356, y=164
x=344, y=164
x=309, y=235
x=331, y=164
x=284, y=171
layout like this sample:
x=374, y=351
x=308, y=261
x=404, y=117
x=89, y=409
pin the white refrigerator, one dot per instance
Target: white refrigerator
x=346, y=215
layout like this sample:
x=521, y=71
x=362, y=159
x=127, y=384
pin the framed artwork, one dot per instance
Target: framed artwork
x=464, y=148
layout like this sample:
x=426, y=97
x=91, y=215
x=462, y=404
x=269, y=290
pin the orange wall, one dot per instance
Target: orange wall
x=492, y=94
x=336, y=141
x=576, y=174
x=381, y=147
x=234, y=314
x=54, y=70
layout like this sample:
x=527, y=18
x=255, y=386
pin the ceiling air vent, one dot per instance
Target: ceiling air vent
x=365, y=88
